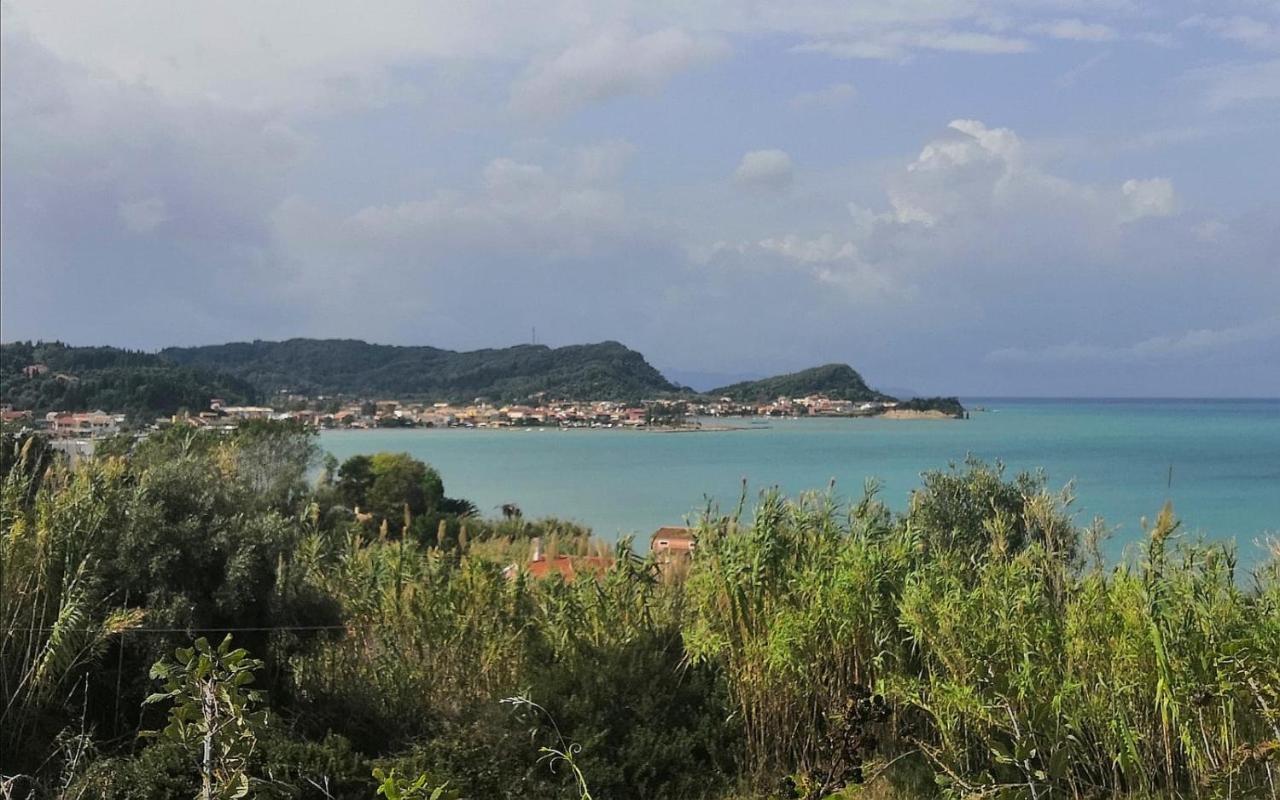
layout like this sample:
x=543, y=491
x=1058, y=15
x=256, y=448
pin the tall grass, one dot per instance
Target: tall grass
x=1010, y=668
x=963, y=648
x=51, y=628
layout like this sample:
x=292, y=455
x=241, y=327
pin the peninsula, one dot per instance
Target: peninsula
x=351, y=383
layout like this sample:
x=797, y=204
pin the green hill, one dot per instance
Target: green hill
x=150, y=384
x=80, y=378
x=604, y=371
x=837, y=381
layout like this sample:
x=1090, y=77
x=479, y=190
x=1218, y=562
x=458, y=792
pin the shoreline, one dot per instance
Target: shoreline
x=891, y=414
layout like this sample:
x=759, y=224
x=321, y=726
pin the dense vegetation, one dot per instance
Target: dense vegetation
x=604, y=371
x=947, y=405
x=837, y=381
x=144, y=385
x=974, y=646
x=147, y=385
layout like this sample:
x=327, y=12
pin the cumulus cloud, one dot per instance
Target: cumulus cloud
x=1152, y=197
x=610, y=65
x=222, y=161
x=974, y=172
x=827, y=261
x=764, y=169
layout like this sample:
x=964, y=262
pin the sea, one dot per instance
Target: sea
x=1216, y=461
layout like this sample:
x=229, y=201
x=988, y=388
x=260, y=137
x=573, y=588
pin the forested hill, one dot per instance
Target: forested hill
x=65, y=378
x=604, y=371
x=837, y=381
x=151, y=384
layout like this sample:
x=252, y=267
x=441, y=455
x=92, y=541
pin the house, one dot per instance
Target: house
x=248, y=412
x=90, y=425
x=10, y=417
x=33, y=370
x=569, y=568
x=671, y=543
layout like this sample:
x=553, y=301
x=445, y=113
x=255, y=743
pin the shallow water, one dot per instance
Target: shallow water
x=1218, y=461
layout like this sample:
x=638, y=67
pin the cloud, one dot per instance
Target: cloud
x=1211, y=230
x=1190, y=343
x=825, y=249
x=829, y=262
x=894, y=45
x=764, y=169
x=165, y=203
x=515, y=207
x=1075, y=30
x=603, y=161
x=974, y=216
x=253, y=172
x=1152, y=197
x=828, y=97
x=974, y=172
x=1241, y=84
x=1256, y=33
x=610, y=65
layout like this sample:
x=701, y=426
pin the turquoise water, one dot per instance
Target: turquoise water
x=1225, y=459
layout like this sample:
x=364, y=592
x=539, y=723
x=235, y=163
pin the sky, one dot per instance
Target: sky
x=1041, y=197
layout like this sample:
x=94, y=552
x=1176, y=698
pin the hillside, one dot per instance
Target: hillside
x=837, y=381
x=151, y=384
x=141, y=384
x=604, y=371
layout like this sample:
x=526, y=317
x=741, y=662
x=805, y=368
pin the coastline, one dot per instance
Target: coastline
x=909, y=413
x=892, y=414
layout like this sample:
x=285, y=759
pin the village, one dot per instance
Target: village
x=327, y=413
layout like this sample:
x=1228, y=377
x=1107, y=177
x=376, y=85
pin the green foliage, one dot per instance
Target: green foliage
x=604, y=371
x=143, y=385
x=1010, y=670
x=389, y=485
x=55, y=621
x=395, y=787
x=562, y=753
x=961, y=648
x=837, y=381
x=947, y=405
x=212, y=713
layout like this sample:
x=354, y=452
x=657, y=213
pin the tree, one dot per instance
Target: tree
x=213, y=711
x=355, y=477
x=385, y=483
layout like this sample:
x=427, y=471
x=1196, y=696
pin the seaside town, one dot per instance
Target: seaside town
x=368, y=414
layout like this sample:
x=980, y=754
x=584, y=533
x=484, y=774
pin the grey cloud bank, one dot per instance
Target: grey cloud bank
x=455, y=176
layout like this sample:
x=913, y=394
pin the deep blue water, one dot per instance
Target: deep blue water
x=1218, y=461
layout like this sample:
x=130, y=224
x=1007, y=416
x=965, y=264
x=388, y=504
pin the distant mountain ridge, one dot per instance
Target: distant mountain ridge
x=603, y=371
x=836, y=381
x=55, y=376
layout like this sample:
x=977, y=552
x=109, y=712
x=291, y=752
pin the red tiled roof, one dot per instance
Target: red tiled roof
x=569, y=567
